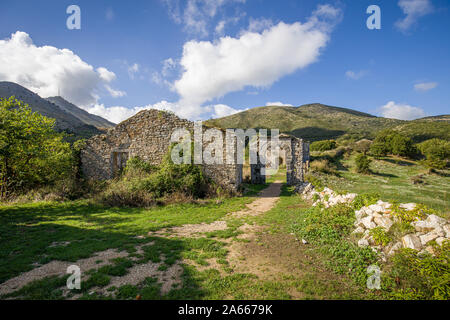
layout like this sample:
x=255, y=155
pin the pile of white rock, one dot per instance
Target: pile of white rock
x=432, y=228
x=327, y=197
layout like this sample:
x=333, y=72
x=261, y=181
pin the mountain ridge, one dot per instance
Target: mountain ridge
x=317, y=121
x=68, y=116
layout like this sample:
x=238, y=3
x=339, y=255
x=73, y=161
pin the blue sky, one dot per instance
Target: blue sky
x=204, y=58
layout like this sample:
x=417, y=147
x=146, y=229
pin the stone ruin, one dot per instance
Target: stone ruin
x=147, y=135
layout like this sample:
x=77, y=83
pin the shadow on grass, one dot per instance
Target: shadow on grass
x=383, y=174
x=399, y=162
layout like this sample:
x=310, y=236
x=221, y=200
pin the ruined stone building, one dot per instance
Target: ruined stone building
x=147, y=135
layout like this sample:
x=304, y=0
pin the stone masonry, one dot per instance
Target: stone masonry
x=147, y=135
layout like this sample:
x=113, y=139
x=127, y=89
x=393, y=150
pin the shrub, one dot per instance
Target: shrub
x=362, y=146
x=144, y=185
x=436, y=151
x=365, y=200
x=420, y=276
x=323, y=145
x=315, y=181
x=362, y=163
x=323, y=165
x=419, y=212
x=380, y=236
x=32, y=153
x=392, y=142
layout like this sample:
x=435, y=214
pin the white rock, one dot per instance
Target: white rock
x=440, y=240
x=434, y=219
x=428, y=237
x=446, y=229
x=395, y=247
x=412, y=241
x=408, y=206
x=358, y=230
x=363, y=243
x=376, y=208
x=304, y=241
x=384, y=222
x=423, y=226
x=368, y=223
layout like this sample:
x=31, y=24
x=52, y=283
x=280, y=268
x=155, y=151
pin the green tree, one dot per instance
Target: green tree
x=362, y=163
x=392, y=142
x=323, y=145
x=436, y=151
x=31, y=152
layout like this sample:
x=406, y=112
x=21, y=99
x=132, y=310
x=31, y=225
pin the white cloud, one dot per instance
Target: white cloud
x=355, y=75
x=278, y=104
x=413, y=9
x=213, y=69
x=197, y=14
x=106, y=75
x=258, y=25
x=117, y=114
x=401, y=111
x=115, y=93
x=133, y=70
x=168, y=65
x=425, y=86
x=222, y=110
x=47, y=70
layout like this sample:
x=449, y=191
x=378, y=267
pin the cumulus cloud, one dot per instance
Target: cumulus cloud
x=278, y=104
x=47, y=70
x=213, y=69
x=401, y=111
x=117, y=114
x=413, y=9
x=355, y=75
x=425, y=86
x=222, y=110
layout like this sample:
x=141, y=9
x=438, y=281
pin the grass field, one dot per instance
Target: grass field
x=391, y=177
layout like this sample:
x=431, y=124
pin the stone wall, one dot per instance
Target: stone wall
x=147, y=135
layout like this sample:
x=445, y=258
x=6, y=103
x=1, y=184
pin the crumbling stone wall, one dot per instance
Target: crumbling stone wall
x=147, y=135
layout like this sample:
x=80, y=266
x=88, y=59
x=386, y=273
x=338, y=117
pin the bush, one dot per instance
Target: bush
x=32, y=153
x=315, y=181
x=420, y=276
x=436, y=151
x=323, y=165
x=362, y=146
x=323, y=145
x=362, y=163
x=392, y=142
x=142, y=184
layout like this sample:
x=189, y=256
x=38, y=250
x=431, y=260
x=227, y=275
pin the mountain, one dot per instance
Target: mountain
x=68, y=117
x=81, y=114
x=318, y=122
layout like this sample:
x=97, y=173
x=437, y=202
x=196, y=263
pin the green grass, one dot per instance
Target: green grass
x=27, y=231
x=391, y=179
